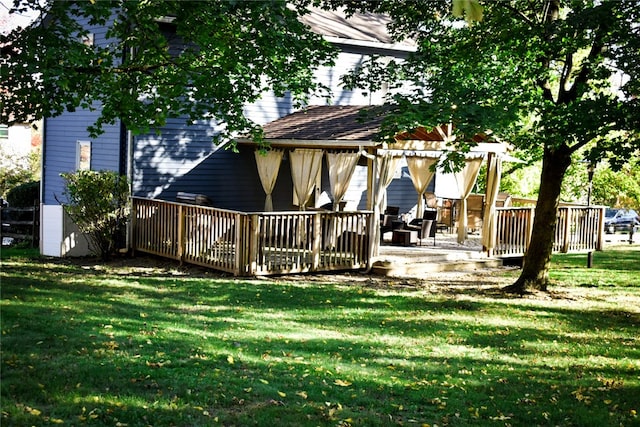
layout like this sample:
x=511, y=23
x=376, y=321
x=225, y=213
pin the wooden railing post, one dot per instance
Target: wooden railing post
x=529, y=227
x=253, y=240
x=239, y=234
x=133, y=226
x=316, y=242
x=600, y=242
x=181, y=243
x=567, y=230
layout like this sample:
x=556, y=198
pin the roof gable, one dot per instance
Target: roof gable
x=365, y=29
x=326, y=123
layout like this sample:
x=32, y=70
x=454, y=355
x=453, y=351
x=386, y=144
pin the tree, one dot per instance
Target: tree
x=538, y=74
x=618, y=189
x=164, y=58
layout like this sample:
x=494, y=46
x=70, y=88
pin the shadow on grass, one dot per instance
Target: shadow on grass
x=83, y=347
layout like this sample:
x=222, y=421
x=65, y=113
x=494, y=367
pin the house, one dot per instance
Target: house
x=183, y=157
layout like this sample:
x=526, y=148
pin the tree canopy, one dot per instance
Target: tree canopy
x=551, y=77
x=162, y=59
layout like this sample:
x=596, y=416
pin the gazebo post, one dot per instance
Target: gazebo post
x=486, y=199
x=372, y=205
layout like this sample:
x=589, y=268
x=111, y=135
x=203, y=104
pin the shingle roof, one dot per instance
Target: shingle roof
x=326, y=123
x=361, y=26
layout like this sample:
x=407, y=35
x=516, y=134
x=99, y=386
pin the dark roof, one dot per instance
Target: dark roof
x=326, y=123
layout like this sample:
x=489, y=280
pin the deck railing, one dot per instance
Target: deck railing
x=578, y=229
x=247, y=244
x=252, y=243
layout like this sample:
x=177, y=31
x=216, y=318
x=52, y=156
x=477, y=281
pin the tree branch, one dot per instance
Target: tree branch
x=517, y=13
x=564, y=76
x=597, y=49
x=551, y=11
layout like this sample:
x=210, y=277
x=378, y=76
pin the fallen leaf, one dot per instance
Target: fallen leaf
x=33, y=411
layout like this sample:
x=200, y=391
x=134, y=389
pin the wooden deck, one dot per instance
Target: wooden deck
x=250, y=244
x=263, y=243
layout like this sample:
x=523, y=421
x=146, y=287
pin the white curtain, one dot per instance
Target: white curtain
x=421, y=174
x=494, y=172
x=465, y=180
x=387, y=166
x=305, y=169
x=268, y=166
x=341, y=168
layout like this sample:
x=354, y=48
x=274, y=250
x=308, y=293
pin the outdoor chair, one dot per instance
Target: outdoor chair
x=387, y=220
x=392, y=210
x=425, y=226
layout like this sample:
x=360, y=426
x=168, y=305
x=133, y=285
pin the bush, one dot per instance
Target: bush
x=98, y=203
x=18, y=169
x=24, y=195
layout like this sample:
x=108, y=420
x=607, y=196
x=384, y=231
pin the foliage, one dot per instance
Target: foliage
x=620, y=189
x=98, y=203
x=18, y=169
x=536, y=81
x=109, y=345
x=536, y=74
x=162, y=59
x=24, y=195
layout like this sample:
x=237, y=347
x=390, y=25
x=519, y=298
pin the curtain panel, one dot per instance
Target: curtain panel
x=387, y=166
x=305, y=169
x=268, y=167
x=421, y=175
x=465, y=180
x=494, y=171
x=341, y=167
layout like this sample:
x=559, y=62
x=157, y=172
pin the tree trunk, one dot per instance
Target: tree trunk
x=535, y=271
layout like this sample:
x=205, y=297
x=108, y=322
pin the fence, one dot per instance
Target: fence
x=21, y=223
x=252, y=243
x=578, y=229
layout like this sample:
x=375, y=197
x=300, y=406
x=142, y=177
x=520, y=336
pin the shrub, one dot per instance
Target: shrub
x=98, y=203
x=24, y=195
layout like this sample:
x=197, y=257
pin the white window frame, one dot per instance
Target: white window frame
x=83, y=155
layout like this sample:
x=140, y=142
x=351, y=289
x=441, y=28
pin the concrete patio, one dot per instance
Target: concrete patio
x=446, y=255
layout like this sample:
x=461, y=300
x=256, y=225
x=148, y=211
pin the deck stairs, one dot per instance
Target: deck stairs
x=445, y=255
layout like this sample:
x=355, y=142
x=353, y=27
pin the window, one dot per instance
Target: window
x=4, y=132
x=83, y=157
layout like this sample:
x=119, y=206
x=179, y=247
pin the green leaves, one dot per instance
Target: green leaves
x=151, y=61
x=98, y=202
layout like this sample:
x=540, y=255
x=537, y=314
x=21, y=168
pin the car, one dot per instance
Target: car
x=620, y=219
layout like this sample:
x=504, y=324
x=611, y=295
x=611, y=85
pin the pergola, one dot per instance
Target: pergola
x=340, y=133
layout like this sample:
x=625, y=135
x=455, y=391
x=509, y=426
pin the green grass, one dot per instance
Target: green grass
x=111, y=345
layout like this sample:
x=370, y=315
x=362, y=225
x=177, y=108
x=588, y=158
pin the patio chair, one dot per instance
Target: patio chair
x=392, y=210
x=425, y=226
x=387, y=220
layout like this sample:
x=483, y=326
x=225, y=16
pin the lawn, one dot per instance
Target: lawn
x=134, y=344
